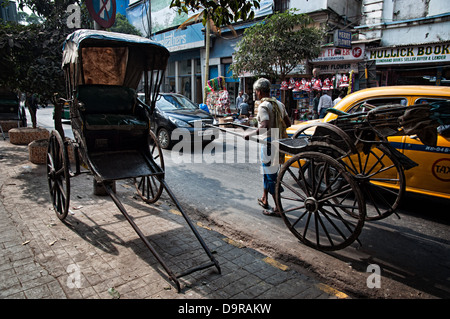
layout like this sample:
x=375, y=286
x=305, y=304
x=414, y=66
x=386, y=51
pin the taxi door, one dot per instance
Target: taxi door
x=433, y=172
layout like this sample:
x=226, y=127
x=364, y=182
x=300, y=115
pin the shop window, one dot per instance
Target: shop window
x=198, y=68
x=184, y=67
x=281, y=5
x=213, y=72
x=171, y=69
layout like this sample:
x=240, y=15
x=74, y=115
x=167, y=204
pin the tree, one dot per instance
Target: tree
x=26, y=18
x=274, y=47
x=31, y=55
x=220, y=12
x=215, y=14
x=123, y=26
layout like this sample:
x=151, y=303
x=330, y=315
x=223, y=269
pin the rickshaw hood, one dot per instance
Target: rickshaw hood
x=74, y=40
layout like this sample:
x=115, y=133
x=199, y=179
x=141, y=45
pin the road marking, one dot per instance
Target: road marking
x=199, y=224
x=331, y=291
x=233, y=242
x=175, y=211
x=275, y=263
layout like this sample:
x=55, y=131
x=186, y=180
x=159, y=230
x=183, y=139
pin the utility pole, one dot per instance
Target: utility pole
x=207, y=43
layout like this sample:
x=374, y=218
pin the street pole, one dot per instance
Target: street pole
x=207, y=43
x=97, y=26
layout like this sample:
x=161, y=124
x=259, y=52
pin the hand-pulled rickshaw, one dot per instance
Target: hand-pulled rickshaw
x=333, y=169
x=103, y=71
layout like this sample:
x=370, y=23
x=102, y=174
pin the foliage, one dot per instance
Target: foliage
x=31, y=55
x=221, y=12
x=274, y=47
x=123, y=26
x=28, y=18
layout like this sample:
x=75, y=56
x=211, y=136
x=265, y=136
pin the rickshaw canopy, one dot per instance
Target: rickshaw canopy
x=110, y=58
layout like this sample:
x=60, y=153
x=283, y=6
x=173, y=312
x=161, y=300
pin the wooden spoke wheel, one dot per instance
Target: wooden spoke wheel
x=378, y=172
x=150, y=187
x=314, y=194
x=58, y=175
x=381, y=178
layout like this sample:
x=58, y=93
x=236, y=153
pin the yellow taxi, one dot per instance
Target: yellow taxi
x=432, y=175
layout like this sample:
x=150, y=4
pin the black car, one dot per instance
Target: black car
x=175, y=117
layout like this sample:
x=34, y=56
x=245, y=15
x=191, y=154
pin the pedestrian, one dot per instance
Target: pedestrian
x=239, y=100
x=315, y=105
x=325, y=103
x=244, y=107
x=31, y=104
x=340, y=97
x=272, y=123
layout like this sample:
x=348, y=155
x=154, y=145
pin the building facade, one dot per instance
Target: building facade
x=8, y=11
x=399, y=41
x=409, y=40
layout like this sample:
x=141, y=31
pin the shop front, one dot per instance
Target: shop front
x=425, y=64
x=334, y=71
x=184, y=72
x=338, y=67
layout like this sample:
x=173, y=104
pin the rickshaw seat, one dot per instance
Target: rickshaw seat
x=108, y=107
x=113, y=121
x=109, y=99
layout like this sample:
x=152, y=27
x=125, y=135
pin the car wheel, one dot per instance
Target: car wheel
x=164, y=138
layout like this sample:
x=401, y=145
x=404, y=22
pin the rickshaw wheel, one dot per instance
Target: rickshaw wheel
x=58, y=175
x=150, y=187
x=381, y=178
x=379, y=173
x=314, y=193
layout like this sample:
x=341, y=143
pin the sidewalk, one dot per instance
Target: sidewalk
x=96, y=254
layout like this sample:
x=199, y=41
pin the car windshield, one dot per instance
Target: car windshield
x=175, y=102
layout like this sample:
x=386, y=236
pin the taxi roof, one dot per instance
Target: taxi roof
x=400, y=90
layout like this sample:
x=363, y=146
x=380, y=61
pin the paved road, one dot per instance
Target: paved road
x=95, y=253
x=413, y=252
x=223, y=185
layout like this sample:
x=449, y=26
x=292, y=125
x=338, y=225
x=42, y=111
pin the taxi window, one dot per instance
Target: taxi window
x=444, y=130
x=429, y=100
x=369, y=104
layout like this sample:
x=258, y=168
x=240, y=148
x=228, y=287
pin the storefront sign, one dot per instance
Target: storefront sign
x=337, y=54
x=178, y=40
x=411, y=54
x=333, y=68
x=342, y=39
